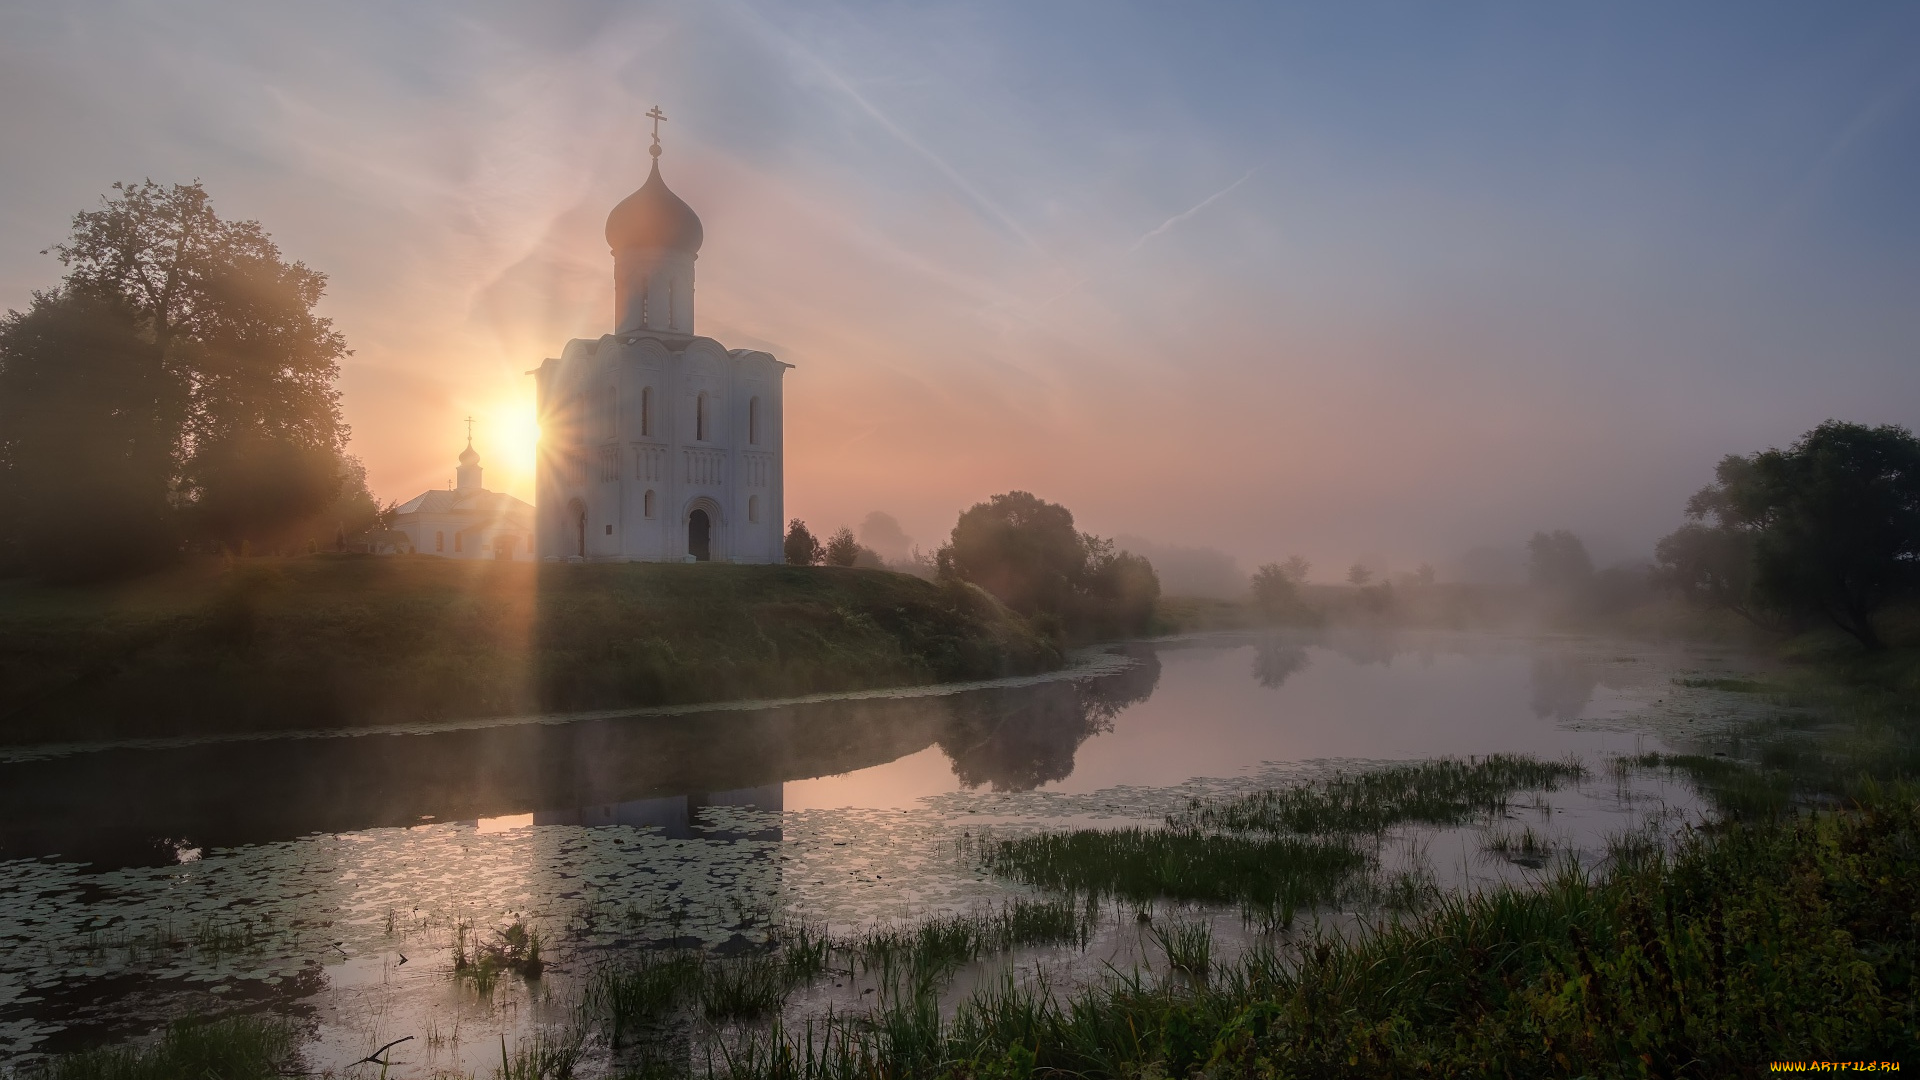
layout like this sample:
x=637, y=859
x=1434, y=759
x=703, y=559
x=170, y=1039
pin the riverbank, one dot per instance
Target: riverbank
x=348, y=641
x=1782, y=939
x=1810, y=907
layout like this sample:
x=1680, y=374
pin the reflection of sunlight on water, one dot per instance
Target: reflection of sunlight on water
x=896, y=784
x=504, y=823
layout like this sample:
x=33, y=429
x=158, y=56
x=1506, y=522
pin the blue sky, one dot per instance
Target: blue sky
x=1394, y=280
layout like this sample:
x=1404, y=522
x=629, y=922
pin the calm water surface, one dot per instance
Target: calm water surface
x=324, y=876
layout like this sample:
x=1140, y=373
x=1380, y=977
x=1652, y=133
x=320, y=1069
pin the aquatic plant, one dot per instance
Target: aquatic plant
x=517, y=950
x=229, y=1048
x=1734, y=686
x=1758, y=941
x=1271, y=873
x=1443, y=791
x=1525, y=847
x=1188, y=947
x=931, y=949
x=743, y=988
x=1737, y=788
x=640, y=993
x=545, y=1056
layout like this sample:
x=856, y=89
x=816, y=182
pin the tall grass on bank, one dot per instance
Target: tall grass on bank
x=230, y=1048
x=1759, y=941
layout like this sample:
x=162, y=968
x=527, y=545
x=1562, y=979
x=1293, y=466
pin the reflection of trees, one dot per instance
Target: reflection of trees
x=1275, y=659
x=1020, y=738
x=1562, y=686
x=1365, y=645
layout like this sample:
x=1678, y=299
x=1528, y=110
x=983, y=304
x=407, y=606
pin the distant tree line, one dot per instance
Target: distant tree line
x=175, y=391
x=1027, y=553
x=1825, y=530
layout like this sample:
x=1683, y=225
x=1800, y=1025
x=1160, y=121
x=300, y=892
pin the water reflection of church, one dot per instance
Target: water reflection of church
x=675, y=815
x=137, y=807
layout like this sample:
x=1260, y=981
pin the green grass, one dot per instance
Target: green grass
x=1187, y=946
x=1847, y=721
x=640, y=998
x=1443, y=791
x=1279, y=851
x=1733, y=686
x=480, y=961
x=543, y=1056
x=231, y=1048
x=1772, y=939
x=209, y=647
x=1278, y=875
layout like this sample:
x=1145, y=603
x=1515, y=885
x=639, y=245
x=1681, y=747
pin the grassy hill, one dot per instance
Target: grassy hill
x=331, y=641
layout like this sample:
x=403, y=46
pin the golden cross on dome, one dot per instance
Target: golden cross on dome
x=656, y=116
x=469, y=429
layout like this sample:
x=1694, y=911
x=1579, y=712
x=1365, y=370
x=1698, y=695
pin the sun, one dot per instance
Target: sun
x=507, y=432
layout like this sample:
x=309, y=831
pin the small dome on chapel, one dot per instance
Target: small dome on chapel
x=468, y=457
x=654, y=217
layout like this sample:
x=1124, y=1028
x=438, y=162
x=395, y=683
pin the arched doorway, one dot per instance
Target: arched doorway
x=577, y=524
x=700, y=536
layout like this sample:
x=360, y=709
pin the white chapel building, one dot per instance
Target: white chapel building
x=657, y=444
x=465, y=521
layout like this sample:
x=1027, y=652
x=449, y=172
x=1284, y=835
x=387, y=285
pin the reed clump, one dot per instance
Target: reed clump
x=1443, y=791
x=1285, y=873
x=1279, y=851
x=644, y=998
x=255, y=1047
x=481, y=962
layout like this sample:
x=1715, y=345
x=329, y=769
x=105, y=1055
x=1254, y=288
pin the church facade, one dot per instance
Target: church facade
x=657, y=444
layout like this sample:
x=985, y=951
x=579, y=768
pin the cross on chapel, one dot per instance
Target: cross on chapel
x=656, y=116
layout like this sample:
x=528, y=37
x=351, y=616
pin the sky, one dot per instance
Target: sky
x=1382, y=281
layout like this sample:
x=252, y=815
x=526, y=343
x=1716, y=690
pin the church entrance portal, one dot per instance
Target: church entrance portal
x=577, y=524
x=699, y=536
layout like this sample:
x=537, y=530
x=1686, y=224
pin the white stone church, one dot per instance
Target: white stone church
x=465, y=521
x=657, y=444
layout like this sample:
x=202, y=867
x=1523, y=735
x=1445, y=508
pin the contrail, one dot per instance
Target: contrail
x=886, y=122
x=1197, y=207
x=1162, y=227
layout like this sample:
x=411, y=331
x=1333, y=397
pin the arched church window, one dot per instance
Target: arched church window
x=753, y=421
x=646, y=410
x=700, y=416
x=753, y=508
x=646, y=503
x=607, y=414
x=439, y=541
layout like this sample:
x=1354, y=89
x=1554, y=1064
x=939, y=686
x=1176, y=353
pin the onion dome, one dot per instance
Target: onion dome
x=654, y=217
x=467, y=456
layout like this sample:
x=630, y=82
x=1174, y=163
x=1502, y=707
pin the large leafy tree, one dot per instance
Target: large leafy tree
x=90, y=416
x=1829, y=528
x=1026, y=551
x=258, y=447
